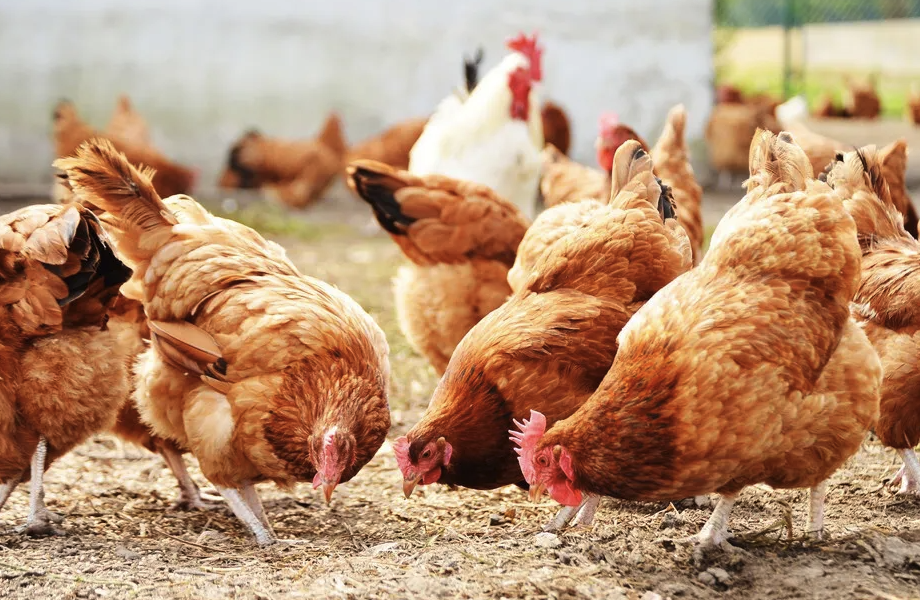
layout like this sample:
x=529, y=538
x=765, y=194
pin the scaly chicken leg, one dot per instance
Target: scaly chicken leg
x=264, y=536
x=908, y=476
x=816, y=498
x=251, y=497
x=7, y=488
x=575, y=516
x=40, y=520
x=715, y=532
x=190, y=497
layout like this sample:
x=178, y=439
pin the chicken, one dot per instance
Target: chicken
x=390, y=147
x=460, y=238
x=746, y=369
x=827, y=109
x=64, y=373
x=495, y=136
x=70, y=131
x=127, y=124
x=862, y=101
x=823, y=151
x=885, y=305
x=296, y=173
x=729, y=133
x=729, y=94
x=556, y=128
x=551, y=343
x=913, y=105
x=262, y=373
x=565, y=180
x=671, y=160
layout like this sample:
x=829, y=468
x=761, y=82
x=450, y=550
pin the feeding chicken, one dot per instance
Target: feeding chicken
x=494, y=136
x=296, y=173
x=567, y=181
x=127, y=124
x=70, y=131
x=460, y=238
x=552, y=342
x=262, y=373
x=745, y=370
x=887, y=300
x=64, y=372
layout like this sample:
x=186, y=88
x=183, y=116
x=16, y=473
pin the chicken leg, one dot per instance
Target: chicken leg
x=190, y=497
x=7, y=488
x=909, y=475
x=714, y=533
x=40, y=520
x=816, y=498
x=244, y=513
x=575, y=516
x=251, y=497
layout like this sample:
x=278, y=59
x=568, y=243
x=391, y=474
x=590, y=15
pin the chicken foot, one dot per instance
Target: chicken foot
x=40, y=521
x=714, y=533
x=816, y=499
x=244, y=513
x=190, y=497
x=909, y=474
x=575, y=516
x=7, y=488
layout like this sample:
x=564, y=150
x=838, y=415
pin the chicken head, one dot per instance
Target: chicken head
x=421, y=462
x=549, y=469
x=334, y=451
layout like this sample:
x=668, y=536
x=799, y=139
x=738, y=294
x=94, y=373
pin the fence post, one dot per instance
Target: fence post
x=788, y=24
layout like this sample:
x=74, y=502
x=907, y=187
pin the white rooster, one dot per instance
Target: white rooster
x=494, y=136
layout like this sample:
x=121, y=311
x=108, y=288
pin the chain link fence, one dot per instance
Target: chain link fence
x=811, y=47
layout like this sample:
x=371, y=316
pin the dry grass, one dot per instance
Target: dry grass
x=123, y=541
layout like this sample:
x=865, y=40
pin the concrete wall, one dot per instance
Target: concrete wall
x=203, y=70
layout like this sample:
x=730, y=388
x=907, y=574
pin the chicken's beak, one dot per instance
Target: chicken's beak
x=536, y=491
x=409, y=484
x=328, y=488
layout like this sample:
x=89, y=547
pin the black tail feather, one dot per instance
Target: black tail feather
x=370, y=187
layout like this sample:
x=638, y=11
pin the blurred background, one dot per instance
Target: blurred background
x=203, y=71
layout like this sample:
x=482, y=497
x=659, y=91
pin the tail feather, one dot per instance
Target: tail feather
x=673, y=134
x=777, y=159
x=632, y=170
x=376, y=183
x=103, y=179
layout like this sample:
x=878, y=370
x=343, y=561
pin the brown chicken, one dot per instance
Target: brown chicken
x=65, y=372
x=746, y=369
x=862, y=100
x=826, y=108
x=127, y=125
x=552, y=342
x=564, y=180
x=729, y=133
x=261, y=372
x=296, y=173
x=460, y=238
x=70, y=131
x=390, y=147
x=823, y=151
x=887, y=302
x=671, y=160
x=913, y=105
x=556, y=128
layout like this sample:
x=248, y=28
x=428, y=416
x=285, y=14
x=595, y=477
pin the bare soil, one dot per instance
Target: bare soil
x=122, y=540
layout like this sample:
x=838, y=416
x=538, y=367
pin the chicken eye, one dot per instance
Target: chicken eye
x=426, y=454
x=542, y=461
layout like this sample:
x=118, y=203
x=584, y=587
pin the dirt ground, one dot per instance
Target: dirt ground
x=122, y=540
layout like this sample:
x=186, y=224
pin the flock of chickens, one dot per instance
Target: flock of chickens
x=592, y=350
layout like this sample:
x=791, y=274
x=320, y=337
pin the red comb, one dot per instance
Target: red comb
x=401, y=450
x=526, y=439
x=529, y=48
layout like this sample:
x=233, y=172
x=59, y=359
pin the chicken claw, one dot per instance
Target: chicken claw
x=714, y=533
x=40, y=521
x=575, y=516
x=909, y=474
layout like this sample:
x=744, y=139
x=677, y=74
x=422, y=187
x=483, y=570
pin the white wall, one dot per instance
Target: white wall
x=203, y=70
